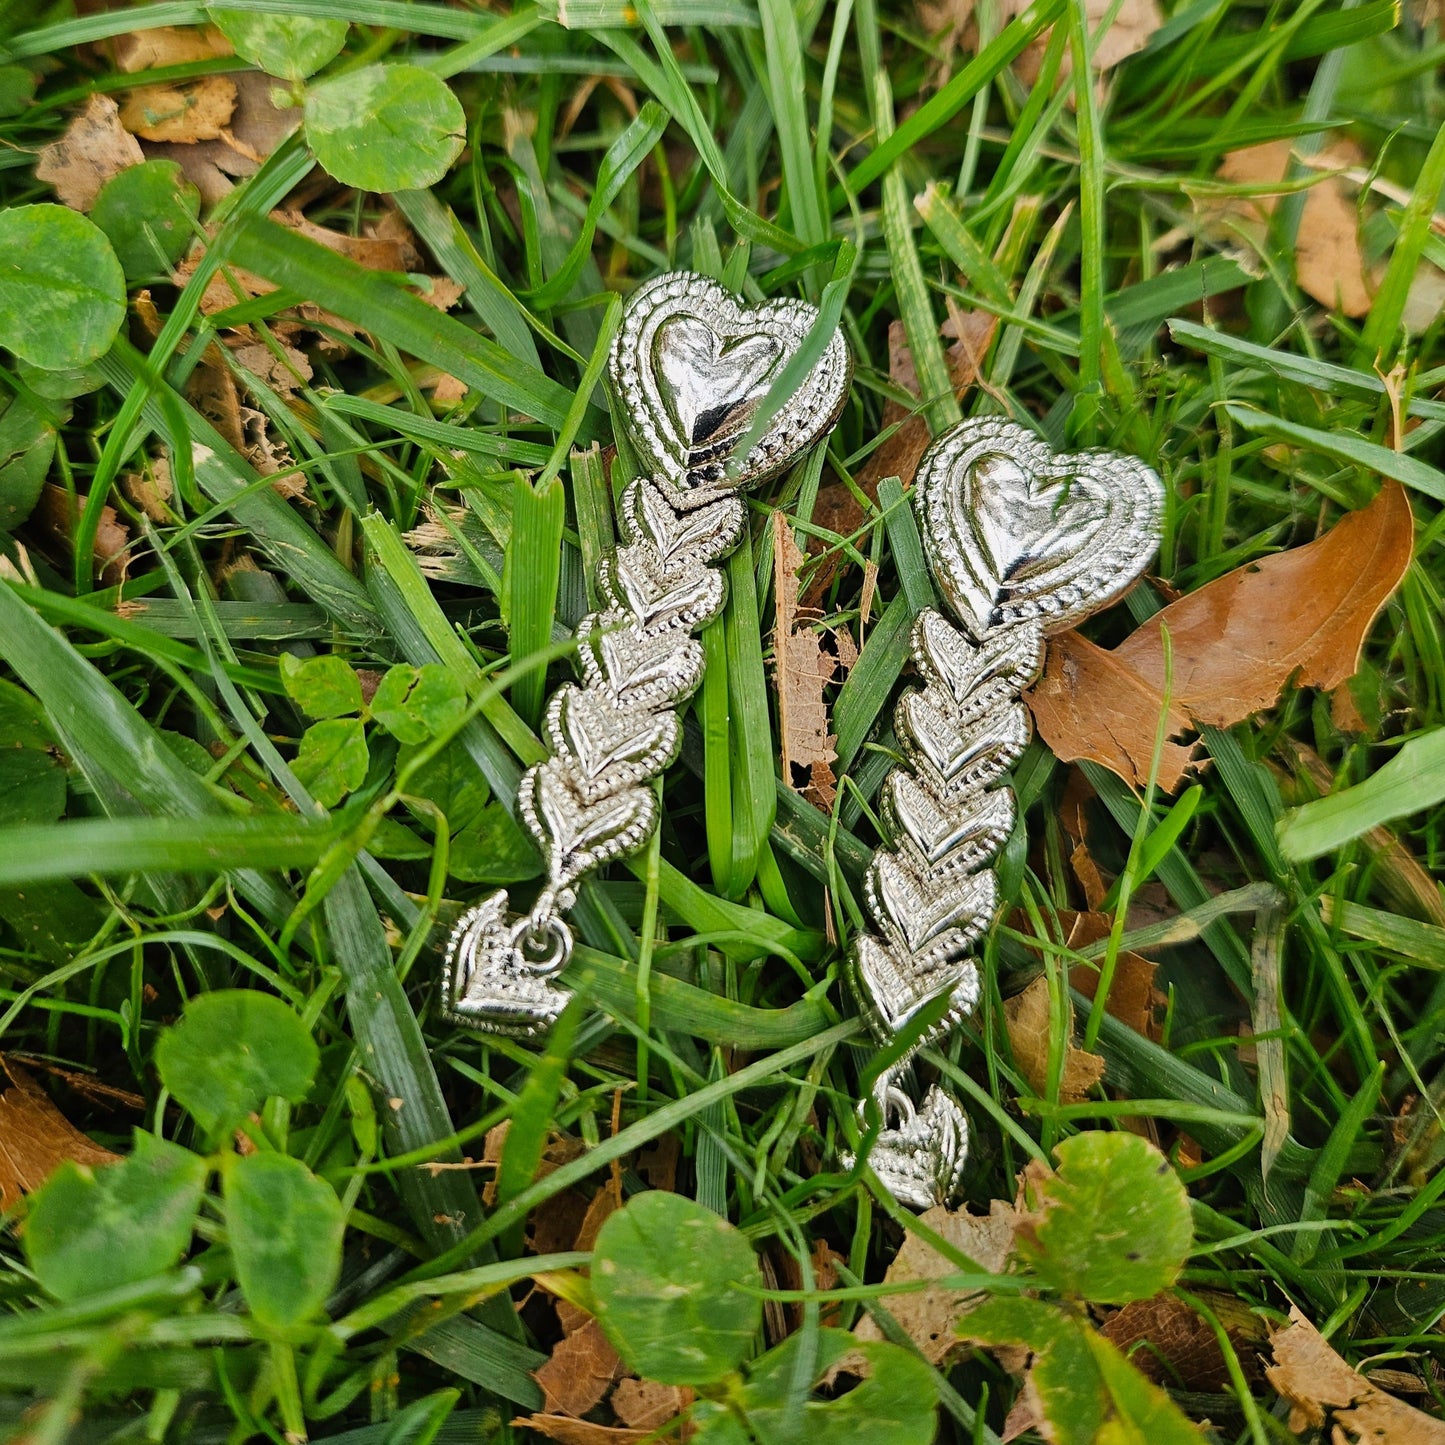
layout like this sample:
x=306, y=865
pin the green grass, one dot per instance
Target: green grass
x=164, y=846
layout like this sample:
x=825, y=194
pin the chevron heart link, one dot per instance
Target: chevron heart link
x=920, y=907
x=633, y=579
x=608, y=748
x=636, y=668
x=705, y=534
x=919, y=1160
x=579, y=836
x=892, y=988
x=963, y=759
x=978, y=676
x=947, y=840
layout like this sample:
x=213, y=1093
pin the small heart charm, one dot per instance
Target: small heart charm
x=491, y=981
x=690, y=364
x=1018, y=533
x=946, y=840
x=919, y=1154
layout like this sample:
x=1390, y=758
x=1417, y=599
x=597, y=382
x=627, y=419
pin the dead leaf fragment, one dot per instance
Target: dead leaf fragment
x=1029, y=1018
x=1133, y=999
x=646, y=1405
x=108, y=1096
x=948, y=22
x=58, y=515
x=579, y=1371
x=94, y=148
x=1322, y=1388
x=169, y=45
x=152, y=489
x=1329, y=261
x=199, y=110
x=184, y=112
x=1133, y=24
x=1297, y=618
x=1172, y=1344
x=1134, y=21
x=388, y=246
x=898, y=455
x=801, y=671
x=1300, y=616
x=36, y=1138
x=929, y=1317
x=258, y=123
x=1089, y=706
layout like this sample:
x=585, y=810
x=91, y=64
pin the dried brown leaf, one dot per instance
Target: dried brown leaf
x=579, y=1371
x=646, y=1405
x=152, y=489
x=801, y=671
x=447, y=390
x=36, y=1138
x=948, y=22
x=285, y=373
x=1133, y=998
x=1029, y=1019
x=899, y=454
x=1089, y=705
x=94, y=1089
x=1329, y=261
x=213, y=392
x=928, y=1317
x=212, y=166
x=605, y=1203
x=390, y=245
x=1172, y=1344
x=1297, y=618
x=198, y=110
x=258, y=124
x=1133, y=23
x=1321, y=1388
x=58, y=514
x=657, y=1163
x=168, y=45
x=94, y=148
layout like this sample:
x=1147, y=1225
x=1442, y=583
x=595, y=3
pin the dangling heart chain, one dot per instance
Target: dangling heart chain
x=689, y=367
x=1022, y=543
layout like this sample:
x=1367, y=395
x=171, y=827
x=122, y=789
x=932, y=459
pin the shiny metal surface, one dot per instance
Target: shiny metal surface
x=1023, y=542
x=689, y=366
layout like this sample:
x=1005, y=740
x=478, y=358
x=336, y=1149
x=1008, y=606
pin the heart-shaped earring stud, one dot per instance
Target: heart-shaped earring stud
x=690, y=366
x=691, y=363
x=1023, y=542
x=1019, y=533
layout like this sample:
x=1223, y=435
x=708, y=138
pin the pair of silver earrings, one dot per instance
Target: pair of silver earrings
x=1021, y=541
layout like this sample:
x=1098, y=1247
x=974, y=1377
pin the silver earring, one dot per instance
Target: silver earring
x=689, y=367
x=1022, y=542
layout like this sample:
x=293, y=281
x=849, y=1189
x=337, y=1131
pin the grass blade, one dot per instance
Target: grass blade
x=296, y=263
x=1412, y=781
